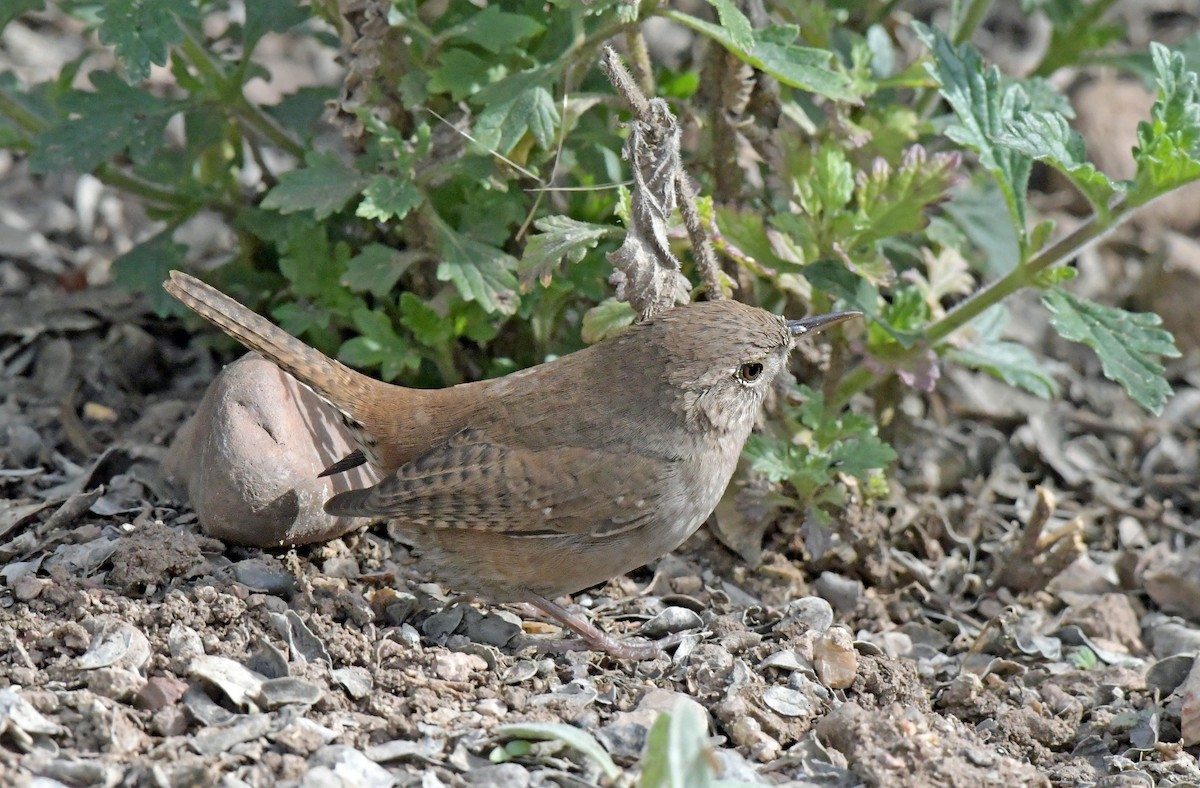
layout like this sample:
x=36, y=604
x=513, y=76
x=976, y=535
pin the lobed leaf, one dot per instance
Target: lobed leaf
x=144, y=268
x=481, y=273
x=388, y=197
x=101, y=125
x=983, y=106
x=774, y=51
x=515, y=105
x=376, y=269
x=562, y=240
x=1168, y=149
x=1126, y=343
x=323, y=185
x=1011, y=362
x=140, y=31
x=1045, y=136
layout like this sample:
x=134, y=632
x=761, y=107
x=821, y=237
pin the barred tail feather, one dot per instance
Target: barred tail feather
x=343, y=388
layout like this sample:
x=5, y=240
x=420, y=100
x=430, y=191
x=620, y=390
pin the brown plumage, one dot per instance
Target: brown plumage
x=558, y=477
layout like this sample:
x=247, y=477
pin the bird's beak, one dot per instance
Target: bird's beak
x=811, y=325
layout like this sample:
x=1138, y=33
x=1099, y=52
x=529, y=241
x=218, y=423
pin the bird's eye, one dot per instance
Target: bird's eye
x=750, y=372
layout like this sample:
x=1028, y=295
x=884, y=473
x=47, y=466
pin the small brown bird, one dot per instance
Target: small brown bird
x=558, y=477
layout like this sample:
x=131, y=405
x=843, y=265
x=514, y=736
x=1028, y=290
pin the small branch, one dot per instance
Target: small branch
x=618, y=75
x=702, y=250
x=639, y=57
x=970, y=21
x=1024, y=275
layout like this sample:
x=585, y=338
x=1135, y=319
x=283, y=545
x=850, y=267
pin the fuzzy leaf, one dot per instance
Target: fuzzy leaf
x=606, y=319
x=481, y=273
x=677, y=750
x=775, y=52
x=1168, y=149
x=1011, y=362
x=428, y=327
x=266, y=16
x=379, y=346
x=983, y=105
x=1126, y=342
x=323, y=185
x=892, y=201
x=1045, y=136
x=376, y=269
x=514, y=105
x=144, y=268
x=105, y=123
x=140, y=31
x=741, y=33
x=388, y=197
x=496, y=30
x=562, y=240
x=859, y=456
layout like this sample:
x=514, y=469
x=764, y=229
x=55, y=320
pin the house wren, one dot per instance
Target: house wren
x=558, y=477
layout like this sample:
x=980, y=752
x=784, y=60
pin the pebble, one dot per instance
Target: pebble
x=671, y=620
x=835, y=659
x=456, y=666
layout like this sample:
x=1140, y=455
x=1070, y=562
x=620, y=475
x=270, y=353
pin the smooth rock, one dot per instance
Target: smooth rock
x=248, y=460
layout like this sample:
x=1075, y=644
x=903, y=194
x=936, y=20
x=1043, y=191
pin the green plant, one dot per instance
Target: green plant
x=430, y=248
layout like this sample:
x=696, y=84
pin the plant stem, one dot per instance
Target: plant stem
x=24, y=119
x=150, y=192
x=1024, y=275
x=249, y=114
x=969, y=21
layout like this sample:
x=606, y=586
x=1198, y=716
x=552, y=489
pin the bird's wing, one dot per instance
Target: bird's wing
x=471, y=482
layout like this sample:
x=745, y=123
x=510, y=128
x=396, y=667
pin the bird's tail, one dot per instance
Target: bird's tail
x=350, y=392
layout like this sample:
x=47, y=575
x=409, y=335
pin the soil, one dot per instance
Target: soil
x=1023, y=610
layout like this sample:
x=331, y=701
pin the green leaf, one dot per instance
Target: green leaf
x=1011, y=362
x=741, y=33
x=388, y=197
x=459, y=73
x=516, y=104
x=496, y=30
x=140, y=31
x=606, y=319
x=428, y=327
x=481, y=273
x=771, y=457
x=311, y=264
x=678, y=754
x=973, y=209
x=1126, y=343
x=891, y=201
x=324, y=185
x=146, y=266
x=14, y=8
x=860, y=456
x=1168, y=149
x=983, y=106
x=379, y=346
x=569, y=735
x=1045, y=136
x=103, y=124
x=831, y=185
x=267, y=16
x=562, y=240
x=376, y=269
x=753, y=242
x=775, y=52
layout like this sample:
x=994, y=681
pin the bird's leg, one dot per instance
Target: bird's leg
x=592, y=637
